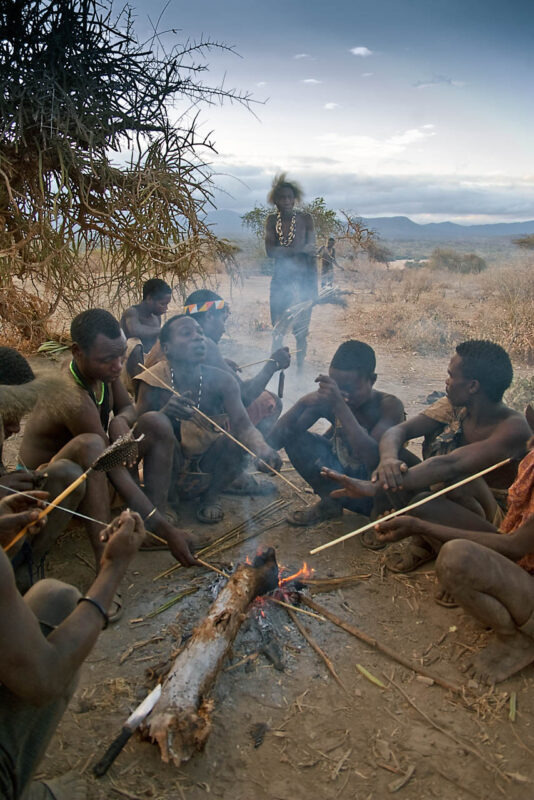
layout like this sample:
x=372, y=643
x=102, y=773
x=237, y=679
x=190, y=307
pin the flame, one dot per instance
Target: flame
x=303, y=573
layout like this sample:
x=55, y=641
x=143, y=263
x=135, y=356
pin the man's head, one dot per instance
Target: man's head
x=284, y=194
x=98, y=344
x=213, y=320
x=156, y=296
x=353, y=369
x=331, y=241
x=479, y=366
x=182, y=339
x=14, y=371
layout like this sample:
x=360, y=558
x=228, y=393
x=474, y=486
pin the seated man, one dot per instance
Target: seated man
x=472, y=429
x=141, y=325
x=77, y=427
x=19, y=390
x=46, y=635
x=487, y=573
x=359, y=415
x=205, y=459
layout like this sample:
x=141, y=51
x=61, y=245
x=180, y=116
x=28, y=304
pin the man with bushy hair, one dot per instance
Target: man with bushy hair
x=290, y=242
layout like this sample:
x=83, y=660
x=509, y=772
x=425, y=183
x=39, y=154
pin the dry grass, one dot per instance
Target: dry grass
x=429, y=311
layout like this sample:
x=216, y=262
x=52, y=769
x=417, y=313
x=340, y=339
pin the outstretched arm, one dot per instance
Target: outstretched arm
x=513, y=546
x=240, y=424
x=508, y=440
x=389, y=473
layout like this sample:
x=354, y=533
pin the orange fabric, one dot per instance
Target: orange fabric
x=521, y=504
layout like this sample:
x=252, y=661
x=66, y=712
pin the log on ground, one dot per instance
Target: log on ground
x=181, y=721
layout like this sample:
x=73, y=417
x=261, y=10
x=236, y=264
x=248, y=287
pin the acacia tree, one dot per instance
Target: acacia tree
x=324, y=219
x=80, y=222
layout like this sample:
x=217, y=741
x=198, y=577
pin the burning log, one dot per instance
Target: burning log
x=180, y=722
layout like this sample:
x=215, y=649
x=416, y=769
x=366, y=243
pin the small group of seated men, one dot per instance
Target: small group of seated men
x=478, y=530
x=484, y=556
x=184, y=455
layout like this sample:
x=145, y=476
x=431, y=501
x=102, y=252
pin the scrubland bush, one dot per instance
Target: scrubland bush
x=507, y=316
x=454, y=261
x=521, y=393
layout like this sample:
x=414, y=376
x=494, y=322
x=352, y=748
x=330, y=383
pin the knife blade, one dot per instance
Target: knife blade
x=130, y=726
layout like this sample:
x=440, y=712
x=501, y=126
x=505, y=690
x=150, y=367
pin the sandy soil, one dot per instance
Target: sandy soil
x=321, y=742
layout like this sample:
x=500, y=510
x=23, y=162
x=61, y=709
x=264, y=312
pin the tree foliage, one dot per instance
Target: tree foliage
x=324, y=219
x=442, y=258
x=525, y=242
x=80, y=221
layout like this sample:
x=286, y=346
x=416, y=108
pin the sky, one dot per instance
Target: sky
x=411, y=107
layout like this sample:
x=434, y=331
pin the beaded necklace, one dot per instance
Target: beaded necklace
x=285, y=241
x=199, y=386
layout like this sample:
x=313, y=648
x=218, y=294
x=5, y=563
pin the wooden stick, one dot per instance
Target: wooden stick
x=409, y=508
x=370, y=640
x=50, y=507
x=313, y=644
x=234, y=533
x=463, y=744
x=264, y=360
x=213, y=569
x=226, y=433
x=295, y=608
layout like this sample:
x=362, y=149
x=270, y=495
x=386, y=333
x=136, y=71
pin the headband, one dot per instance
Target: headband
x=198, y=309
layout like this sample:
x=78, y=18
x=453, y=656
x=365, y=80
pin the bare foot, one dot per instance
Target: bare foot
x=444, y=598
x=209, y=509
x=411, y=555
x=67, y=787
x=321, y=511
x=503, y=657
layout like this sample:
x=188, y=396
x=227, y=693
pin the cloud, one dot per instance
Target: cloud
x=463, y=198
x=299, y=56
x=356, y=149
x=438, y=80
x=361, y=51
x=367, y=74
x=261, y=83
x=311, y=81
x=330, y=106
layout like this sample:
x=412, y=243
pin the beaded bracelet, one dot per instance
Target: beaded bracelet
x=97, y=605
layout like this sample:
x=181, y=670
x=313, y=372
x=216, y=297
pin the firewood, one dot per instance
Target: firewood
x=181, y=721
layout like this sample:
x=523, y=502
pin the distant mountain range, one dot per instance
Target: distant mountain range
x=403, y=228
x=228, y=224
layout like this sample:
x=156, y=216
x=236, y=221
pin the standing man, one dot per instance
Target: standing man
x=290, y=242
x=141, y=325
x=328, y=259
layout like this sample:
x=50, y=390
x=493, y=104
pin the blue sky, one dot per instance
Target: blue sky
x=412, y=107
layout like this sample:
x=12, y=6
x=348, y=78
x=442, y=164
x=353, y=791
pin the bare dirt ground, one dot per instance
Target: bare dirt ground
x=321, y=742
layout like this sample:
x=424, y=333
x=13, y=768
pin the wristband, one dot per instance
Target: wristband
x=98, y=607
x=150, y=514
